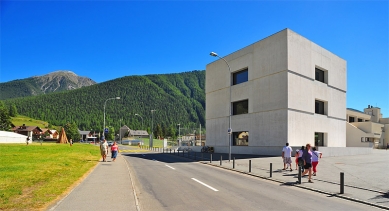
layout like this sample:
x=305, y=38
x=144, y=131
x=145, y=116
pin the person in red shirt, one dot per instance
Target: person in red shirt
x=114, y=151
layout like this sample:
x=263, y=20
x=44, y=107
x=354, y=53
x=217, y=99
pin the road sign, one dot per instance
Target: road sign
x=106, y=130
x=229, y=131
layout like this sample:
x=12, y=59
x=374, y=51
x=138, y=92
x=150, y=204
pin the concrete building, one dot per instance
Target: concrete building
x=367, y=128
x=283, y=88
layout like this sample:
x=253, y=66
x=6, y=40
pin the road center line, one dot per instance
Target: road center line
x=170, y=167
x=205, y=184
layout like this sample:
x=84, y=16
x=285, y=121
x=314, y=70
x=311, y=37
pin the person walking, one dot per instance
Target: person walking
x=315, y=159
x=71, y=142
x=307, y=157
x=300, y=161
x=28, y=140
x=104, y=150
x=114, y=151
x=287, y=156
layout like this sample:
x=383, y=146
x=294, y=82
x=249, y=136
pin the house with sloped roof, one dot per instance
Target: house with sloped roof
x=31, y=131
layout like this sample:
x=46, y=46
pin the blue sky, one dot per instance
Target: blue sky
x=105, y=40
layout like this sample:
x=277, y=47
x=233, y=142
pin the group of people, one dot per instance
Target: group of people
x=306, y=157
x=104, y=150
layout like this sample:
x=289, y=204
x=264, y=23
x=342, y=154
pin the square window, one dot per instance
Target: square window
x=319, y=75
x=360, y=120
x=319, y=107
x=240, y=77
x=240, y=107
x=240, y=138
x=351, y=119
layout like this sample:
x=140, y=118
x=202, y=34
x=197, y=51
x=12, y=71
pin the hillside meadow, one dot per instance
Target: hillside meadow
x=33, y=176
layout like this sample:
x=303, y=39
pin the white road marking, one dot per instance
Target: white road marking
x=205, y=184
x=170, y=167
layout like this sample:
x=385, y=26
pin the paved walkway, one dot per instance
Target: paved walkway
x=107, y=187
x=366, y=177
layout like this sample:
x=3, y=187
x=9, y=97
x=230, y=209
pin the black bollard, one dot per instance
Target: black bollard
x=271, y=169
x=170, y=151
x=299, y=177
x=249, y=165
x=341, y=183
x=221, y=159
x=233, y=163
x=210, y=160
x=174, y=152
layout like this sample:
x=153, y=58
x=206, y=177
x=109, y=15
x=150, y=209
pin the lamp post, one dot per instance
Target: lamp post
x=152, y=127
x=141, y=118
x=114, y=98
x=229, y=131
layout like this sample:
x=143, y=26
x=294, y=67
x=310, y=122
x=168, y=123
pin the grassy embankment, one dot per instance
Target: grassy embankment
x=32, y=176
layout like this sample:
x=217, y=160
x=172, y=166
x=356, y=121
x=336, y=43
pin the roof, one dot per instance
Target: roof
x=11, y=134
x=26, y=128
x=125, y=127
x=84, y=132
x=138, y=132
x=351, y=109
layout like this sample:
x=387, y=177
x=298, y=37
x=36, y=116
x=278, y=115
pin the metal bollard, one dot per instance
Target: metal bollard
x=271, y=169
x=221, y=159
x=341, y=183
x=210, y=159
x=299, y=177
x=249, y=165
x=233, y=163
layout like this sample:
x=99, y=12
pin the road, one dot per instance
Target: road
x=168, y=182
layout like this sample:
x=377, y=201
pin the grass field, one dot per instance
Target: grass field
x=156, y=142
x=32, y=176
x=20, y=120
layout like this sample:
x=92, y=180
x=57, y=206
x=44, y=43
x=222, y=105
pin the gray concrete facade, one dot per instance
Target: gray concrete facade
x=281, y=91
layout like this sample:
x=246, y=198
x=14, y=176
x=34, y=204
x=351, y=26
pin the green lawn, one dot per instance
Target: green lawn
x=34, y=175
x=156, y=142
x=19, y=120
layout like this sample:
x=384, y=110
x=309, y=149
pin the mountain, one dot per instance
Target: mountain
x=178, y=98
x=53, y=82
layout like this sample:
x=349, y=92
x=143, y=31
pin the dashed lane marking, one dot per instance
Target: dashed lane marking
x=170, y=167
x=214, y=189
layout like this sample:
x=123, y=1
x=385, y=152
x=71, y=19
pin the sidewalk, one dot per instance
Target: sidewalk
x=366, y=177
x=107, y=187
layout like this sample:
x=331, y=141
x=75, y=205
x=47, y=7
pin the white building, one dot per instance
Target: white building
x=367, y=128
x=283, y=88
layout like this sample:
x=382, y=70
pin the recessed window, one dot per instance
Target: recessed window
x=319, y=107
x=319, y=75
x=240, y=77
x=360, y=120
x=351, y=119
x=319, y=139
x=240, y=107
x=240, y=138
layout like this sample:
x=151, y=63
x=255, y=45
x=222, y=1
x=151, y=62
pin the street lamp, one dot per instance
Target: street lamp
x=114, y=98
x=152, y=127
x=229, y=115
x=141, y=118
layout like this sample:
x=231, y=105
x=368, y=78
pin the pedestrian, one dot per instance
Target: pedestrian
x=104, y=150
x=387, y=146
x=315, y=159
x=71, y=142
x=307, y=157
x=114, y=151
x=300, y=158
x=28, y=140
x=287, y=156
x=296, y=157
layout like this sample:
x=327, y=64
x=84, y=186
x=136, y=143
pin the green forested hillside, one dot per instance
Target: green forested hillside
x=178, y=98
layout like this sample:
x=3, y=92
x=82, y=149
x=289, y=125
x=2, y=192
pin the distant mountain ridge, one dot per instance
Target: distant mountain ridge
x=57, y=81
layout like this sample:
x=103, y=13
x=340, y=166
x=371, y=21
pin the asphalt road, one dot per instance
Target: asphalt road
x=167, y=182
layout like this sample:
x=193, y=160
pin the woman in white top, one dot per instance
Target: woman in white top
x=315, y=159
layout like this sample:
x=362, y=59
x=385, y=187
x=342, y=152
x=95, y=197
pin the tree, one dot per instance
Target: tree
x=13, y=112
x=111, y=133
x=172, y=132
x=72, y=131
x=158, y=131
x=5, y=119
